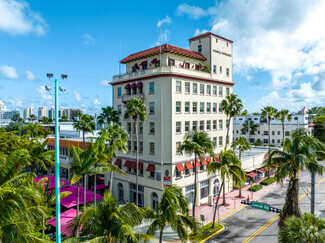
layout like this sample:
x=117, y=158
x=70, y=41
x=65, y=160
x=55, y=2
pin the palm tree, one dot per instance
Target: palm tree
x=137, y=111
x=16, y=118
x=267, y=113
x=109, y=222
x=249, y=126
x=308, y=228
x=199, y=144
x=243, y=145
x=117, y=139
x=64, y=118
x=231, y=106
x=34, y=130
x=44, y=120
x=229, y=166
x=85, y=123
x=172, y=210
x=282, y=115
x=108, y=115
x=244, y=113
x=32, y=118
x=296, y=156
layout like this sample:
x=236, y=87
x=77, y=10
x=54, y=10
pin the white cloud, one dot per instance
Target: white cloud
x=166, y=21
x=8, y=72
x=192, y=11
x=76, y=96
x=96, y=102
x=163, y=39
x=17, y=18
x=46, y=97
x=88, y=40
x=104, y=83
x=30, y=75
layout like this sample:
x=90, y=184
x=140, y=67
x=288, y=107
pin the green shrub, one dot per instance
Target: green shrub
x=207, y=232
x=255, y=188
x=258, y=142
x=267, y=182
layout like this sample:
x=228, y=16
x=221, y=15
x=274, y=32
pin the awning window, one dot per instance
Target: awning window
x=143, y=63
x=189, y=165
x=251, y=175
x=118, y=162
x=140, y=166
x=261, y=171
x=204, y=162
x=127, y=163
x=133, y=165
x=150, y=167
x=180, y=167
x=197, y=163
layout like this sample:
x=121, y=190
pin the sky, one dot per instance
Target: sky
x=279, y=47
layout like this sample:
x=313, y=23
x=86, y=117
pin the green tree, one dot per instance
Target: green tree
x=109, y=222
x=206, y=68
x=282, y=116
x=319, y=129
x=199, y=144
x=44, y=120
x=16, y=118
x=64, y=118
x=172, y=210
x=231, y=106
x=308, y=228
x=249, y=126
x=267, y=113
x=34, y=130
x=85, y=123
x=244, y=113
x=136, y=110
x=32, y=118
x=242, y=145
x=108, y=115
x=313, y=110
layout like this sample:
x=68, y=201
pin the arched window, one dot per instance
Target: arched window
x=154, y=200
x=120, y=193
x=215, y=187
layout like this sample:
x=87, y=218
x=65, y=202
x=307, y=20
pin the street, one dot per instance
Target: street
x=254, y=225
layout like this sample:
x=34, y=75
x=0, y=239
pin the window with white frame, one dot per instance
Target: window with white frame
x=220, y=141
x=178, y=87
x=152, y=148
x=220, y=91
x=187, y=107
x=227, y=72
x=208, y=107
x=119, y=109
x=220, y=69
x=201, y=89
x=214, y=90
x=152, y=128
x=151, y=107
x=178, y=107
x=177, y=146
x=201, y=125
x=214, y=125
x=208, y=125
x=214, y=141
x=194, y=89
x=194, y=125
x=119, y=92
x=214, y=69
x=201, y=107
x=178, y=127
x=194, y=107
x=220, y=109
x=187, y=126
x=187, y=87
x=204, y=188
x=214, y=108
x=129, y=127
x=227, y=91
x=151, y=87
x=208, y=89
x=220, y=124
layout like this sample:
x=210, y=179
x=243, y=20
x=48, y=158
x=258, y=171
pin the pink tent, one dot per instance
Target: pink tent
x=51, y=180
x=66, y=217
x=71, y=201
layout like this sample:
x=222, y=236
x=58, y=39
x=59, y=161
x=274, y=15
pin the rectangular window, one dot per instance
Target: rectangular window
x=278, y=132
x=201, y=107
x=134, y=146
x=187, y=87
x=194, y=88
x=273, y=132
x=273, y=141
x=140, y=127
x=214, y=107
x=194, y=107
x=265, y=141
x=220, y=91
x=153, y=172
x=152, y=148
x=187, y=126
x=227, y=123
x=227, y=72
x=208, y=125
x=220, y=124
x=152, y=107
x=129, y=127
x=187, y=107
x=220, y=109
x=214, y=90
x=227, y=91
x=187, y=171
x=220, y=141
x=214, y=125
x=177, y=146
x=214, y=69
x=178, y=87
x=119, y=92
x=152, y=128
x=204, y=188
x=201, y=89
x=220, y=69
x=201, y=125
x=178, y=107
x=140, y=147
x=199, y=48
x=187, y=65
x=129, y=145
x=171, y=62
x=214, y=141
x=287, y=133
x=208, y=89
x=208, y=107
x=194, y=125
x=151, y=87
x=119, y=109
x=266, y=133
x=178, y=127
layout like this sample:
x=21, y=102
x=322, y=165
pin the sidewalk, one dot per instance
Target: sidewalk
x=233, y=202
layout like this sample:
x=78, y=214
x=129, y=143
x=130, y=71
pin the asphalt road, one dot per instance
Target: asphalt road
x=254, y=225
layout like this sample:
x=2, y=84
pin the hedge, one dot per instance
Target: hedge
x=267, y=182
x=255, y=188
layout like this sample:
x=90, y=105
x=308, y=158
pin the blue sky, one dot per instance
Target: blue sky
x=279, y=47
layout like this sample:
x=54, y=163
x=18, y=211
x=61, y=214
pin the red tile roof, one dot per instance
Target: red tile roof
x=164, y=48
x=67, y=143
x=209, y=33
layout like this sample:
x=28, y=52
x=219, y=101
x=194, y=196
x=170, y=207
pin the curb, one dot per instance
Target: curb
x=220, y=231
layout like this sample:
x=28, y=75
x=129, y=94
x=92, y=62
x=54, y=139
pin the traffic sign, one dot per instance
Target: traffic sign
x=263, y=206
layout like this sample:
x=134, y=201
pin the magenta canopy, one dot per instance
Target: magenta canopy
x=71, y=201
x=65, y=217
x=134, y=85
x=128, y=86
x=140, y=84
x=51, y=180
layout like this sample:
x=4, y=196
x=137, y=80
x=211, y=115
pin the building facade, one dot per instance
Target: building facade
x=180, y=97
x=42, y=112
x=27, y=112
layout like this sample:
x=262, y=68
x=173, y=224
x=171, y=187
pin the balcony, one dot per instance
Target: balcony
x=126, y=98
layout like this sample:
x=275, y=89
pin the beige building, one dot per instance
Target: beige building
x=179, y=96
x=27, y=112
x=42, y=111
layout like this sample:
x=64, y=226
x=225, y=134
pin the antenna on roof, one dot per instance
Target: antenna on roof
x=119, y=58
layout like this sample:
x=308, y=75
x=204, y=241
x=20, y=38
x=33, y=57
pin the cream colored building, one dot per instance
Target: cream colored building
x=42, y=112
x=27, y=112
x=179, y=97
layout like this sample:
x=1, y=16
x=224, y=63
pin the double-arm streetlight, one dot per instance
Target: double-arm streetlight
x=57, y=153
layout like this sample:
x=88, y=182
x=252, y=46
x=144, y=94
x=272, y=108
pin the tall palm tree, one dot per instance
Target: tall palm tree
x=34, y=130
x=137, y=111
x=296, y=156
x=308, y=228
x=249, y=126
x=243, y=145
x=32, y=118
x=109, y=222
x=267, y=113
x=16, y=118
x=117, y=139
x=108, y=115
x=85, y=123
x=172, y=210
x=44, y=120
x=231, y=106
x=199, y=144
x=282, y=115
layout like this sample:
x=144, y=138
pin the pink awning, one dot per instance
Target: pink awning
x=261, y=171
x=66, y=219
x=71, y=201
x=134, y=85
x=251, y=175
x=51, y=181
x=128, y=86
x=140, y=84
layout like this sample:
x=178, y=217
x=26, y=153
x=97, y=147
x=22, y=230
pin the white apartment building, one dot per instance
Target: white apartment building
x=42, y=111
x=298, y=121
x=27, y=112
x=179, y=97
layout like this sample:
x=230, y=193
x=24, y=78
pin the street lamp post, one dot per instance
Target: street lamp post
x=57, y=153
